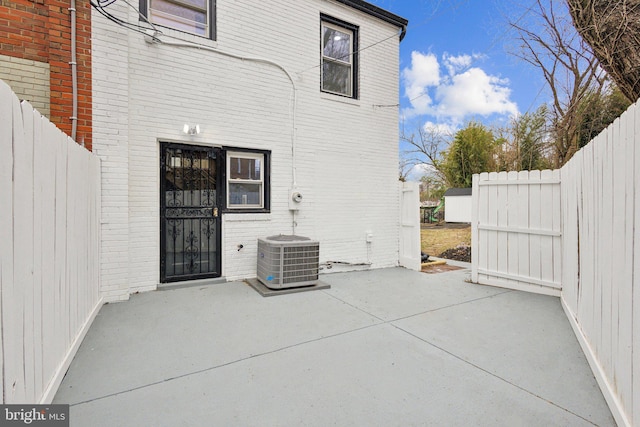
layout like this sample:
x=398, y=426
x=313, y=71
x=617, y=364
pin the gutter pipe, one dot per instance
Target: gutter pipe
x=74, y=72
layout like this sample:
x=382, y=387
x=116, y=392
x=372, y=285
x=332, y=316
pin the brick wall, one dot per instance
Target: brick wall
x=346, y=150
x=29, y=80
x=40, y=31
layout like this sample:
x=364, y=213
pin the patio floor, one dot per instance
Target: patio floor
x=388, y=347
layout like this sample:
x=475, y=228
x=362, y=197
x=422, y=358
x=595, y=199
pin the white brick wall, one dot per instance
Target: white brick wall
x=29, y=80
x=346, y=150
x=111, y=143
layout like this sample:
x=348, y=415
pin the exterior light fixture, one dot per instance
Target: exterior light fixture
x=191, y=129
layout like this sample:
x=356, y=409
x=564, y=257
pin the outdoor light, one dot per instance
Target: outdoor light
x=191, y=129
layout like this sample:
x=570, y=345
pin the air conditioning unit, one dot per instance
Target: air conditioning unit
x=288, y=261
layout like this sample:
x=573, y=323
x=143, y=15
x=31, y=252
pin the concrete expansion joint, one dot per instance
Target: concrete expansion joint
x=355, y=307
x=506, y=291
x=222, y=365
x=475, y=366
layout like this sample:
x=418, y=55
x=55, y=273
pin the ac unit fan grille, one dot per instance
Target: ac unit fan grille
x=300, y=264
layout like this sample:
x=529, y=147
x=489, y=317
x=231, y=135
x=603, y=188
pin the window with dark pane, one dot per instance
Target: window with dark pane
x=245, y=180
x=339, y=57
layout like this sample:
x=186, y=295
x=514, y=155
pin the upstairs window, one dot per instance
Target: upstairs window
x=190, y=16
x=339, y=57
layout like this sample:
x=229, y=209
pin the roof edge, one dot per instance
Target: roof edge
x=466, y=191
x=379, y=13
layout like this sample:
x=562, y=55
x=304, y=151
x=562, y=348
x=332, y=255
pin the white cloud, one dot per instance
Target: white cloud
x=464, y=92
x=419, y=170
x=444, y=129
x=474, y=92
x=456, y=63
x=423, y=73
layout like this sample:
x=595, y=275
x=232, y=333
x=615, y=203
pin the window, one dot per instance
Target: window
x=247, y=188
x=191, y=16
x=339, y=57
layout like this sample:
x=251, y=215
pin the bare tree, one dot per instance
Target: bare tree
x=549, y=42
x=404, y=168
x=425, y=146
x=612, y=28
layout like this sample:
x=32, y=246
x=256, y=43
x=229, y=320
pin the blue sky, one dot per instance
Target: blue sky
x=455, y=65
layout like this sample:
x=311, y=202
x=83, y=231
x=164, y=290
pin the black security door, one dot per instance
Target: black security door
x=189, y=217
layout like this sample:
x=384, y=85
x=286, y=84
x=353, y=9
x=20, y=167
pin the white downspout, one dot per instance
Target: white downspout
x=74, y=72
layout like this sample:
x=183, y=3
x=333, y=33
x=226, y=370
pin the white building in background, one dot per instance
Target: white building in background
x=457, y=205
x=208, y=125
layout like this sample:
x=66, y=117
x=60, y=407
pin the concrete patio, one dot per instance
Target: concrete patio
x=386, y=347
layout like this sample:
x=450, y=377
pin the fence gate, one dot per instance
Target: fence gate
x=516, y=231
x=410, y=225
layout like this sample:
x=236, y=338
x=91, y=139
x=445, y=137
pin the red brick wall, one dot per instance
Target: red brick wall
x=40, y=30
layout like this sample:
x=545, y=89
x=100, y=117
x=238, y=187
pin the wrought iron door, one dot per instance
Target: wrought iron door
x=189, y=217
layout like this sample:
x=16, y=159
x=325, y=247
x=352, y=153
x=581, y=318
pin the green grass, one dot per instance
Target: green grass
x=437, y=239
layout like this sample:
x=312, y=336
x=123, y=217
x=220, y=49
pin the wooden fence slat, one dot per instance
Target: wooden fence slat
x=492, y=236
x=585, y=238
x=535, y=207
x=475, y=197
x=635, y=398
x=556, y=220
x=72, y=228
x=483, y=218
x=17, y=348
x=606, y=285
x=27, y=209
x=96, y=215
x=502, y=221
x=60, y=270
x=594, y=293
x=617, y=238
x=522, y=223
x=513, y=213
x=625, y=264
x=6, y=231
x=569, y=239
x=41, y=170
x=546, y=223
x=49, y=338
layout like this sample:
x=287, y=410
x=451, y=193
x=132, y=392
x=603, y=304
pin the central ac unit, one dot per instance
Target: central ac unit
x=288, y=261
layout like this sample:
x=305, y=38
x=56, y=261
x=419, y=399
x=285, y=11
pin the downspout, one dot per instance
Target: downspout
x=74, y=72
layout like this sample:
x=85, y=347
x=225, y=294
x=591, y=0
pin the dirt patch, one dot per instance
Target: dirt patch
x=441, y=268
x=459, y=253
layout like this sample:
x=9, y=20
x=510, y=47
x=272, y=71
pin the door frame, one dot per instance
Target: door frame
x=219, y=164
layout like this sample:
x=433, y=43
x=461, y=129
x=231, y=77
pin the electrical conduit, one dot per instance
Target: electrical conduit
x=74, y=72
x=156, y=39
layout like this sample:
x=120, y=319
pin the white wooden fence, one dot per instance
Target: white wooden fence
x=601, y=259
x=576, y=233
x=516, y=230
x=410, y=225
x=49, y=242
